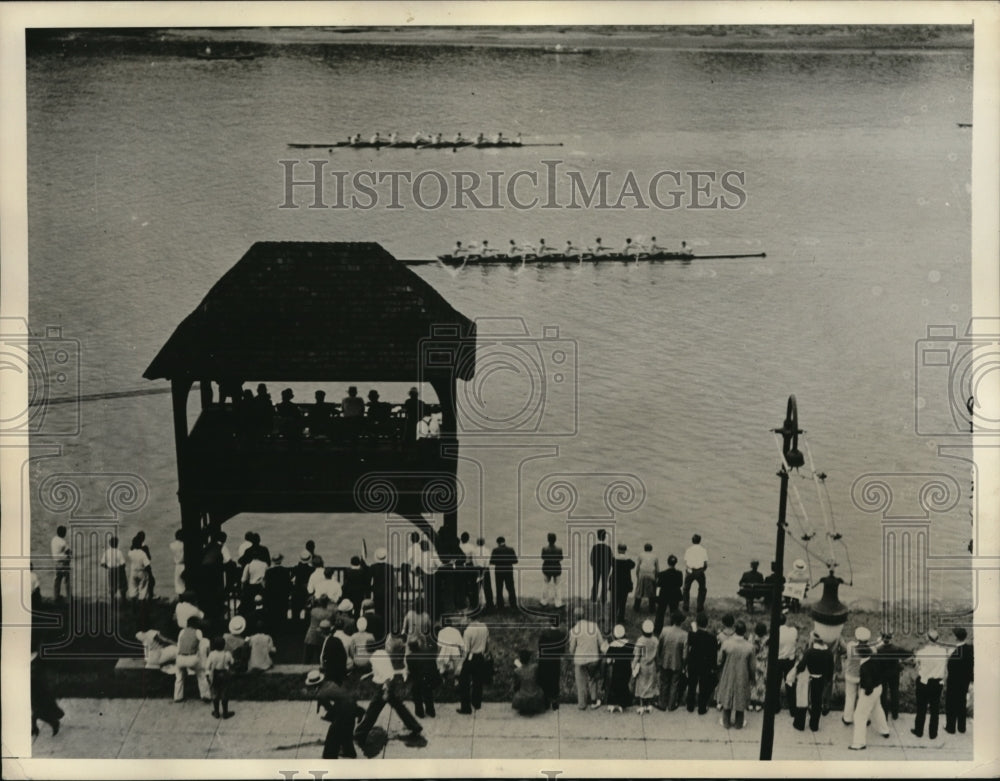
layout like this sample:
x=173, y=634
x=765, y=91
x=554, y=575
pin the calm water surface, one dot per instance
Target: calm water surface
x=150, y=176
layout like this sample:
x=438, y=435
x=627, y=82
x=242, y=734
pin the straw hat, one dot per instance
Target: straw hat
x=862, y=634
x=237, y=624
x=305, y=556
x=314, y=677
x=619, y=631
x=362, y=624
x=380, y=554
x=799, y=565
x=345, y=606
x=647, y=627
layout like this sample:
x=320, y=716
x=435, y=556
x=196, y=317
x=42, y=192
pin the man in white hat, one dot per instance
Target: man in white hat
x=236, y=643
x=932, y=662
x=852, y=671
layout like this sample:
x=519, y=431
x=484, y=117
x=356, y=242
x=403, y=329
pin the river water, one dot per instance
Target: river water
x=150, y=174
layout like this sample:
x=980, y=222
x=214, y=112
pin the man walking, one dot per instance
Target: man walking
x=869, y=696
x=960, y=670
x=817, y=663
x=695, y=563
x=601, y=557
x=61, y=556
x=387, y=675
x=503, y=560
x=670, y=652
x=931, y=664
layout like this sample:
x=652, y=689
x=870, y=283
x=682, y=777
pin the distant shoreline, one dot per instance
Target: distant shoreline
x=575, y=41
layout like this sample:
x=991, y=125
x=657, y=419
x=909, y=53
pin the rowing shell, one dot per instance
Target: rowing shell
x=558, y=257
x=419, y=145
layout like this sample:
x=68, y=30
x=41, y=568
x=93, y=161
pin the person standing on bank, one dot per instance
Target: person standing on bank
x=739, y=667
x=503, y=560
x=476, y=639
x=622, y=573
x=702, y=661
x=960, y=673
x=889, y=657
x=113, y=560
x=61, y=557
x=931, y=662
x=601, y=557
x=552, y=557
x=869, y=699
x=695, y=563
x=817, y=663
x=647, y=568
x=668, y=598
x=852, y=671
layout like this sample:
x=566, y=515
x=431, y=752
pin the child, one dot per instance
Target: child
x=220, y=661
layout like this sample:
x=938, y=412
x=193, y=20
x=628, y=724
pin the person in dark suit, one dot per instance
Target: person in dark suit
x=622, y=566
x=357, y=583
x=601, y=557
x=817, y=663
x=749, y=581
x=383, y=587
x=960, y=670
x=277, y=591
x=669, y=596
x=890, y=657
x=702, y=660
x=503, y=560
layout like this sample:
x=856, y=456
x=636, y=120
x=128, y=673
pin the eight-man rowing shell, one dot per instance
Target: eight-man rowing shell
x=558, y=257
x=420, y=145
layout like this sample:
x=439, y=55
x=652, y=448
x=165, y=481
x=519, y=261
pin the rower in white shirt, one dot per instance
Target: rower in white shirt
x=376, y=139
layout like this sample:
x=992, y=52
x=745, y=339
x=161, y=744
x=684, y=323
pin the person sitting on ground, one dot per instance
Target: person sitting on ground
x=159, y=650
x=236, y=643
x=773, y=582
x=529, y=698
x=749, y=585
x=796, y=586
x=262, y=650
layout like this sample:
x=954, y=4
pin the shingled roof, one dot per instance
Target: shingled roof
x=301, y=311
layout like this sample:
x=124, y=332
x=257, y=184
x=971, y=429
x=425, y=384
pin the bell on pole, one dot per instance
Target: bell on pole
x=829, y=614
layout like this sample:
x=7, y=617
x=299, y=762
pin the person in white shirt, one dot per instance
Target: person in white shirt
x=695, y=562
x=451, y=651
x=481, y=561
x=852, y=671
x=475, y=640
x=586, y=644
x=138, y=572
x=388, y=673
x=322, y=582
x=113, y=560
x=788, y=640
x=177, y=550
x=61, y=557
x=185, y=609
x=932, y=663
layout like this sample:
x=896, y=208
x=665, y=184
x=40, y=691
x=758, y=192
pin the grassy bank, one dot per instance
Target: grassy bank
x=83, y=665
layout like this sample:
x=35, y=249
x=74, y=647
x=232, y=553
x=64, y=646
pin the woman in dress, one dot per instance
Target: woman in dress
x=619, y=661
x=529, y=698
x=760, y=643
x=738, y=666
x=645, y=670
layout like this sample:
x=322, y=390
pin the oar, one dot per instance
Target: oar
x=715, y=257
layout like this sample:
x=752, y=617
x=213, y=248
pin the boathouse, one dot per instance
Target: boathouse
x=320, y=312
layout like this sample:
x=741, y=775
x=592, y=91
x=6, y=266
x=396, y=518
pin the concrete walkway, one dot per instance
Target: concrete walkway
x=158, y=728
